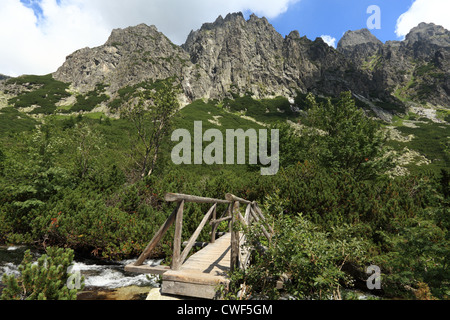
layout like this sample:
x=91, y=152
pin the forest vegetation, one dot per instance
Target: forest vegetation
x=95, y=185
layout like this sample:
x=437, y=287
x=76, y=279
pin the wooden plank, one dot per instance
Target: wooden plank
x=176, y=258
x=176, y=197
x=197, y=244
x=147, y=269
x=257, y=219
x=212, y=259
x=217, y=221
x=192, y=276
x=154, y=242
x=247, y=215
x=204, y=291
x=202, y=273
x=214, y=256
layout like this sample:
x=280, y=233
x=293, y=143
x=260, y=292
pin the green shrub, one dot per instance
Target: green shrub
x=85, y=223
x=2, y=161
x=46, y=280
x=419, y=254
x=91, y=100
x=12, y=122
x=339, y=136
x=45, y=93
x=304, y=257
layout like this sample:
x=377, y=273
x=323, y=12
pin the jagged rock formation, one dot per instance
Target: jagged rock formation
x=251, y=56
x=130, y=56
x=358, y=45
x=414, y=70
x=237, y=56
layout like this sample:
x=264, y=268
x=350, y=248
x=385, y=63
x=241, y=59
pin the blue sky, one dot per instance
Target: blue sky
x=333, y=17
x=37, y=35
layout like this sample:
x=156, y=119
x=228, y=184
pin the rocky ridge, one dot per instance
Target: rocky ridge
x=234, y=56
x=415, y=70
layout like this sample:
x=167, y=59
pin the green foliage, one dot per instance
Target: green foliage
x=86, y=224
x=128, y=93
x=419, y=254
x=91, y=100
x=45, y=93
x=151, y=116
x=265, y=110
x=336, y=136
x=13, y=122
x=87, y=142
x=432, y=141
x=45, y=280
x=71, y=182
x=309, y=263
x=425, y=69
x=2, y=160
x=373, y=63
x=34, y=179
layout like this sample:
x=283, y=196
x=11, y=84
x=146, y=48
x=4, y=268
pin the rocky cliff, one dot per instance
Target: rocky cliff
x=237, y=56
x=251, y=56
x=415, y=70
x=130, y=56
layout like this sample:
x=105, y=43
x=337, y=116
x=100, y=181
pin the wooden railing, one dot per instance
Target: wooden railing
x=232, y=214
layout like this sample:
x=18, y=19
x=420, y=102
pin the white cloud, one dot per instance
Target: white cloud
x=329, y=40
x=39, y=46
x=33, y=46
x=435, y=11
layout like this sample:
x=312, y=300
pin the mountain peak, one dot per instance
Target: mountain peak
x=234, y=16
x=133, y=34
x=129, y=56
x=429, y=33
x=358, y=37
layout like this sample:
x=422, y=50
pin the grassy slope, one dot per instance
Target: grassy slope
x=242, y=112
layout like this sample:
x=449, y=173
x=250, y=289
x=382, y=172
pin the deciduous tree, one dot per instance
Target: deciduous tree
x=151, y=114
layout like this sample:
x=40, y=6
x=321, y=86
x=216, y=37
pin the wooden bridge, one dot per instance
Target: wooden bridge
x=200, y=274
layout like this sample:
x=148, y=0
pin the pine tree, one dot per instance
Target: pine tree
x=45, y=280
x=341, y=137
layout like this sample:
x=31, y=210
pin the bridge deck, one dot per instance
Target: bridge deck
x=202, y=273
x=199, y=276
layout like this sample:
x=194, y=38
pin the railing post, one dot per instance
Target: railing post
x=214, y=225
x=176, y=261
x=234, y=263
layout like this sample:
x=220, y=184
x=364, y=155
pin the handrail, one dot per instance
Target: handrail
x=176, y=197
x=231, y=198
